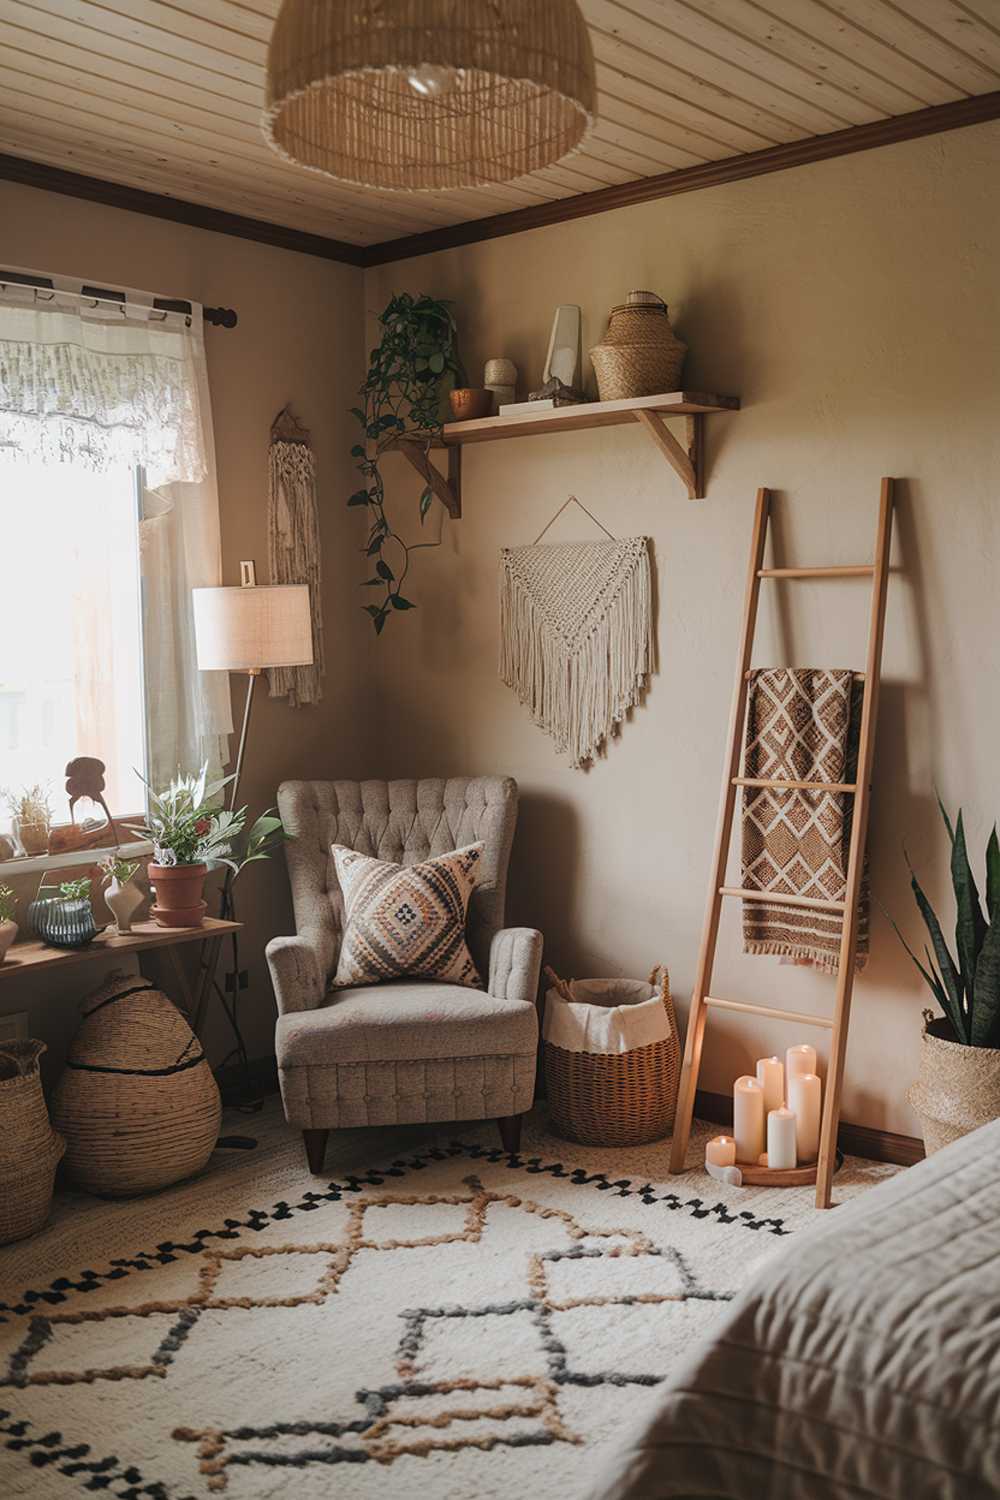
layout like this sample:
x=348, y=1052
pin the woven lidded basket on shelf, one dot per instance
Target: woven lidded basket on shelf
x=619, y=1097
x=29, y=1148
x=640, y=354
x=137, y=1102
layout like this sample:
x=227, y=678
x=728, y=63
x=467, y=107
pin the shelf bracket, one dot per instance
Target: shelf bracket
x=688, y=459
x=448, y=488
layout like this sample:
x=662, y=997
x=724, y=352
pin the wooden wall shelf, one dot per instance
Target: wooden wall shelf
x=687, y=459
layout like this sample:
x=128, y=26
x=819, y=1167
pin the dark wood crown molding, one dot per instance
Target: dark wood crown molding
x=931, y=121
x=178, y=210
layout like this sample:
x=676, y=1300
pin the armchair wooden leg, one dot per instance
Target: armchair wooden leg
x=510, y=1132
x=315, y=1144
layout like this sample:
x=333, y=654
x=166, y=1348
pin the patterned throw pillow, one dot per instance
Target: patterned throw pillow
x=406, y=919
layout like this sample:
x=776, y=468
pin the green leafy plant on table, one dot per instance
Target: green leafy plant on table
x=186, y=828
x=8, y=904
x=966, y=986
x=75, y=890
x=113, y=867
x=408, y=374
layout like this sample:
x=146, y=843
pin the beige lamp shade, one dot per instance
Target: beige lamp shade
x=428, y=94
x=244, y=629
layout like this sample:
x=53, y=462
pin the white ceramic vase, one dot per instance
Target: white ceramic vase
x=123, y=902
x=8, y=932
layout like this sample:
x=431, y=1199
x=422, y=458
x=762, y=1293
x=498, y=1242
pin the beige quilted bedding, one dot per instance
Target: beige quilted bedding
x=862, y=1364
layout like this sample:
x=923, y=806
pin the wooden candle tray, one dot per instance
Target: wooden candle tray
x=780, y=1177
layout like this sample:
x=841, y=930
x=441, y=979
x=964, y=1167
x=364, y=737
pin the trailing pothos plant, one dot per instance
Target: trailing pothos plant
x=967, y=986
x=408, y=372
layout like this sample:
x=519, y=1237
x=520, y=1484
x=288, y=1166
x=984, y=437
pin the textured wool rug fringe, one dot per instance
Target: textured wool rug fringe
x=576, y=636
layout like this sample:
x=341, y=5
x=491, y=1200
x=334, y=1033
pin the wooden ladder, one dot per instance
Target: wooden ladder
x=702, y=999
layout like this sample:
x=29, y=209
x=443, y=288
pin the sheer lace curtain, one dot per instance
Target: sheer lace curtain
x=105, y=385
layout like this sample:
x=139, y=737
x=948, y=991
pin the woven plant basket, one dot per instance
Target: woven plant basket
x=137, y=1102
x=640, y=354
x=29, y=1147
x=614, y=1099
x=958, y=1087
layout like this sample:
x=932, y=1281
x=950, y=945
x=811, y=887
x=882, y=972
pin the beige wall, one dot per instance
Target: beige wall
x=299, y=339
x=855, y=307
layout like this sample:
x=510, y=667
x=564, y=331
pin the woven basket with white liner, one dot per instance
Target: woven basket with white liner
x=612, y=1058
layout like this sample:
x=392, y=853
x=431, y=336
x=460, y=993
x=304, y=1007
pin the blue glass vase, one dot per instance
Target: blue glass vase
x=62, y=922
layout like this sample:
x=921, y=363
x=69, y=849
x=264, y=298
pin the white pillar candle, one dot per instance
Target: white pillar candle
x=781, y=1148
x=721, y=1151
x=748, y=1118
x=771, y=1077
x=804, y=1093
x=800, y=1059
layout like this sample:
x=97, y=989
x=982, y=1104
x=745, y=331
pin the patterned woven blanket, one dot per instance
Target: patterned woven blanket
x=803, y=724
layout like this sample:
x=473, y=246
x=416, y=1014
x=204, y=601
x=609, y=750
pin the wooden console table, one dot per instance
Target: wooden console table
x=25, y=959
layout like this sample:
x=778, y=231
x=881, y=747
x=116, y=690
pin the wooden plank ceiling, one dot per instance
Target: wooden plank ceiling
x=167, y=96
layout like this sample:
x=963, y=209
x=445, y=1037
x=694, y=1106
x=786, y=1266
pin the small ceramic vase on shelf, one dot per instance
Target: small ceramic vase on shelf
x=500, y=377
x=123, y=902
x=178, y=888
x=8, y=932
x=62, y=921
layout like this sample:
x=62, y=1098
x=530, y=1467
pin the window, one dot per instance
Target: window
x=71, y=669
x=96, y=388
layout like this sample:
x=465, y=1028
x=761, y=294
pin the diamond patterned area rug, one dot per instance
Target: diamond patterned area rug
x=451, y=1323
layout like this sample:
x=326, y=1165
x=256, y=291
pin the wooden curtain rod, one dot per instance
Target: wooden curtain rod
x=219, y=317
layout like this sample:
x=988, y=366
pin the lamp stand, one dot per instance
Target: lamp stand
x=252, y=676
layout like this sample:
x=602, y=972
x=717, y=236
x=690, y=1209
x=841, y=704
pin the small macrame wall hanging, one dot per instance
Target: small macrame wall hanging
x=293, y=546
x=576, y=634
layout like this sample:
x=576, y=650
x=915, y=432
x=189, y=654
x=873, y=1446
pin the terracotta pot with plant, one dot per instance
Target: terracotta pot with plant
x=958, y=1088
x=8, y=926
x=189, y=835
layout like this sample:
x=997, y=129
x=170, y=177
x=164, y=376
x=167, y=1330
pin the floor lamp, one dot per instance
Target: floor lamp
x=247, y=629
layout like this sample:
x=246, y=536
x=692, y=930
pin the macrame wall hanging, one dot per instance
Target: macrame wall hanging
x=293, y=546
x=576, y=634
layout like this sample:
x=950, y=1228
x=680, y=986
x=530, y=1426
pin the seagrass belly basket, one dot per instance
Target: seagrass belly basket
x=612, y=1059
x=137, y=1102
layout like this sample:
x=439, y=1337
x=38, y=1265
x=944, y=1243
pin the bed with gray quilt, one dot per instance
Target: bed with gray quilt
x=862, y=1364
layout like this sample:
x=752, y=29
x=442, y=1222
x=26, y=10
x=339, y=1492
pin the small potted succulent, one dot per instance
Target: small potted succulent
x=122, y=897
x=32, y=815
x=958, y=1087
x=189, y=835
x=65, y=920
x=8, y=926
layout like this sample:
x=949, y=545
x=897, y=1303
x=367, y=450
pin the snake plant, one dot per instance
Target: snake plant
x=967, y=987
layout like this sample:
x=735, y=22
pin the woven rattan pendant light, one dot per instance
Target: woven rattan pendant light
x=412, y=94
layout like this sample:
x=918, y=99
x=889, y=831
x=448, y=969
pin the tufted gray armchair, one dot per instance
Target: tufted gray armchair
x=412, y=1050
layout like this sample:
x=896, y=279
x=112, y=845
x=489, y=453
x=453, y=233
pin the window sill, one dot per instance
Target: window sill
x=36, y=864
